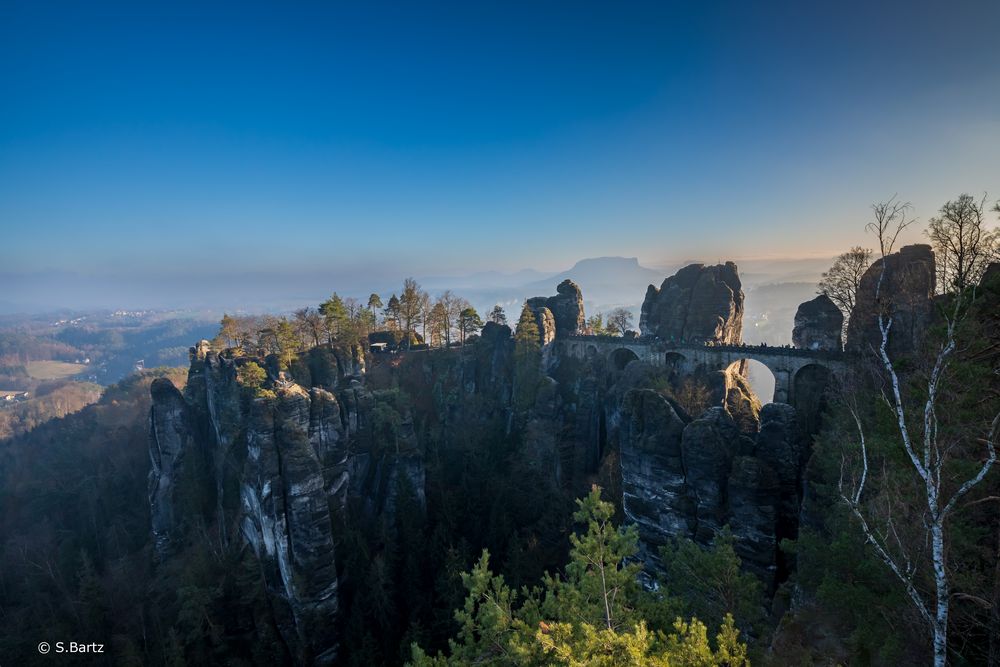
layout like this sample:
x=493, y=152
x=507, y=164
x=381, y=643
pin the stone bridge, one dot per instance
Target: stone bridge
x=789, y=365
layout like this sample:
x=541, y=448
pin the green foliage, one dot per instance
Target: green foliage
x=586, y=618
x=251, y=376
x=497, y=315
x=527, y=360
x=709, y=582
x=469, y=322
x=595, y=324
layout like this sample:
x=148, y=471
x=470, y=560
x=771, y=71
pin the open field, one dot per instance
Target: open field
x=53, y=370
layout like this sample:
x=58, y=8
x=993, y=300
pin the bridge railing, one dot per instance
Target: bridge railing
x=659, y=343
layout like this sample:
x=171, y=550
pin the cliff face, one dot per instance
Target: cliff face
x=272, y=472
x=689, y=478
x=818, y=325
x=286, y=521
x=170, y=446
x=906, y=294
x=565, y=316
x=697, y=304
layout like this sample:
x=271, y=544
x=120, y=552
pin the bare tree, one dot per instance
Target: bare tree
x=411, y=305
x=842, y=280
x=309, y=325
x=620, y=321
x=928, y=451
x=963, y=248
x=451, y=310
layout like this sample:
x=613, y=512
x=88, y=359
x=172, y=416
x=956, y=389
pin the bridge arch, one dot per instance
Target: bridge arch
x=621, y=357
x=674, y=359
x=765, y=381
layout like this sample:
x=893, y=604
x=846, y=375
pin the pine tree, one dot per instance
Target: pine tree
x=527, y=359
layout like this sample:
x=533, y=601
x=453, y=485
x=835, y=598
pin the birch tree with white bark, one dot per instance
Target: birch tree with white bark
x=942, y=468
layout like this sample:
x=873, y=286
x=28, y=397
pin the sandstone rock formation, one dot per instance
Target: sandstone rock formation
x=818, y=325
x=688, y=479
x=566, y=311
x=697, y=304
x=906, y=292
x=709, y=445
x=654, y=489
x=286, y=521
x=170, y=447
x=276, y=467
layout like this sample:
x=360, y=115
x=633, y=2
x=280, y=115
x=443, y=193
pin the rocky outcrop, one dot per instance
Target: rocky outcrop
x=171, y=447
x=689, y=478
x=275, y=471
x=904, y=292
x=709, y=445
x=697, y=304
x=781, y=446
x=566, y=309
x=286, y=521
x=818, y=325
x=544, y=319
x=753, y=516
x=654, y=489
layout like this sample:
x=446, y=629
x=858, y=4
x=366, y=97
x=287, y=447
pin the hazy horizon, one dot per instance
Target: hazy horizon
x=262, y=291
x=149, y=154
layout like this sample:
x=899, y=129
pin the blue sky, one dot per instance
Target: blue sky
x=141, y=140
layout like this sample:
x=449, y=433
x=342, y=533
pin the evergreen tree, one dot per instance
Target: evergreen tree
x=468, y=323
x=334, y=316
x=527, y=359
x=497, y=315
x=586, y=618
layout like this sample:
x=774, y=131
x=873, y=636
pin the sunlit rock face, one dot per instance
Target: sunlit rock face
x=689, y=478
x=286, y=522
x=544, y=319
x=697, y=304
x=906, y=293
x=565, y=309
x=818, y=325
x=271, y=471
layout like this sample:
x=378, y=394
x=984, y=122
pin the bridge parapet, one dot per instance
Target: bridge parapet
x=784, y=363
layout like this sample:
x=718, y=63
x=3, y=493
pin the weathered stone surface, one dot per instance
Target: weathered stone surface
x=170, y=442
x=329, y=440
x=655, y=494
x=272, y=470
x=818, y=325
x=287, y=523
x=697, y=304
x=753, y=491
x=781, y=446
x=489, y=370
x=566, y=309
x=906, y=293
x=709, y=445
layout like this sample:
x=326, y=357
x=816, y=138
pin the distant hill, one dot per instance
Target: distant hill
x=606, y=281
